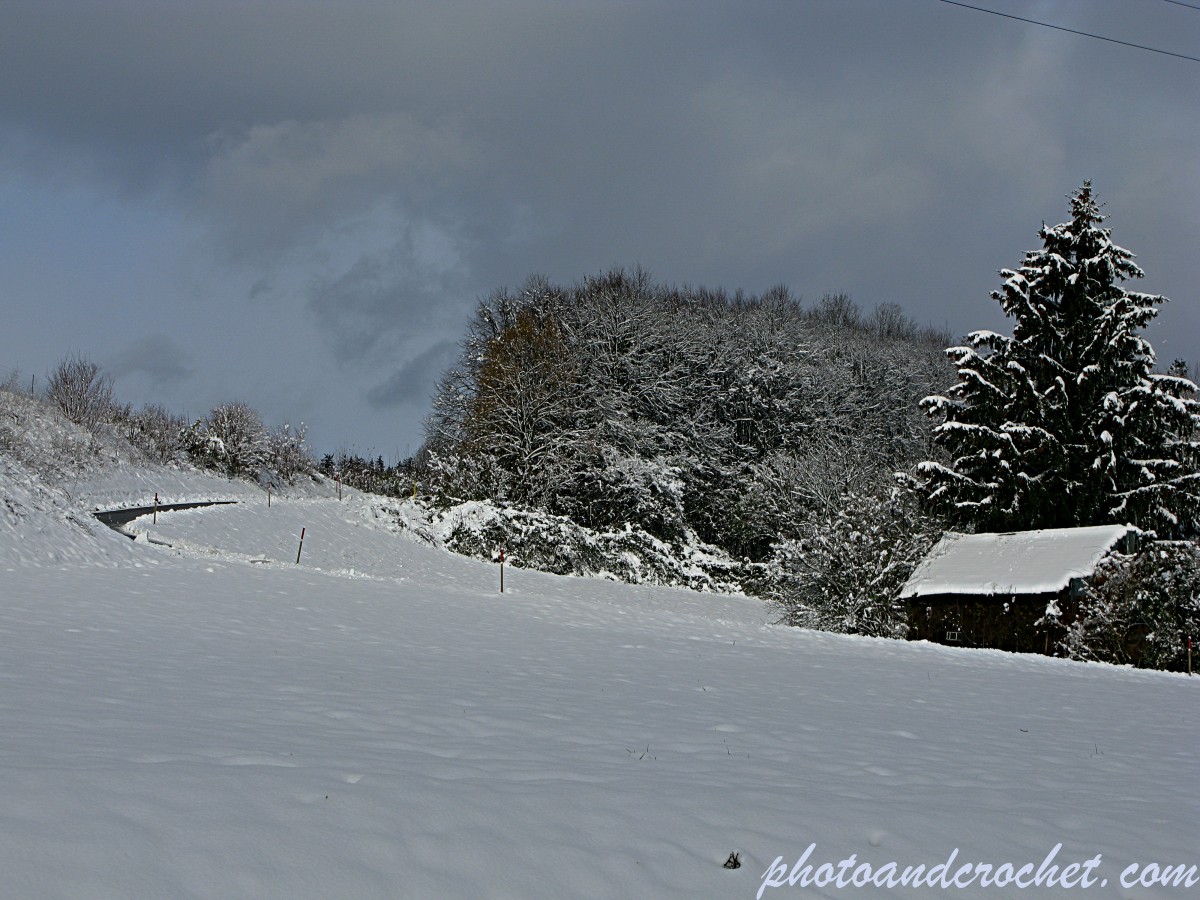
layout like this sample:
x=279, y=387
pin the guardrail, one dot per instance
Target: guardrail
x=115, y=518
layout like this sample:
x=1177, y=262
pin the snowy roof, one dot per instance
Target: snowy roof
x=1018, y=562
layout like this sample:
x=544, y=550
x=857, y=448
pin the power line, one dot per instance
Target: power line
x=1188, y=5
x=1098, y=37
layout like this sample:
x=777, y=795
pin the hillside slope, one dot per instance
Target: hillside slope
x=212, y=720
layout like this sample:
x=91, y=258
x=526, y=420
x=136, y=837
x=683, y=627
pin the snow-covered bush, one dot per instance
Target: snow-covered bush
x=158, y=433
x=82, y=391
x=38, y=434
x=1140, y=609
x=455, y=477
x=617, y=490
x=79, y=426
x=234, y=439
x=846, y=574
x=287, y=454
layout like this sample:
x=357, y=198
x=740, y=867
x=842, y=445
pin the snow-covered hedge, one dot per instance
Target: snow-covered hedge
x=549, y=543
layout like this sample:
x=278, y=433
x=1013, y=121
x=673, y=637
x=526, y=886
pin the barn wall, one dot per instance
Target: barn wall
x=982, y=620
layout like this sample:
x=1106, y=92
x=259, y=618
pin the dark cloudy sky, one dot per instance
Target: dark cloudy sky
x=298, y=204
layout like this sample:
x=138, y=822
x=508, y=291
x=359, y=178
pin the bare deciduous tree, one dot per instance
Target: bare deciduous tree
x=82, y=391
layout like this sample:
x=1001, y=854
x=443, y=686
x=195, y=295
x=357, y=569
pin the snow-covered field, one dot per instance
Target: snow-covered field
x=212, y=720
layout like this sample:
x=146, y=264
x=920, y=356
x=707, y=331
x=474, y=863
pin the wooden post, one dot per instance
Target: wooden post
x=156, y=509
x=1189, y=657
x=339, y=481
x=301, y=547
x=268, y=493
x=502, y=570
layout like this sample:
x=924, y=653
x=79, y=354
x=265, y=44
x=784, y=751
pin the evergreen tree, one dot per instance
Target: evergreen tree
x=1065, y=423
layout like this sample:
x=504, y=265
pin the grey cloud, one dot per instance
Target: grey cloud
x=385, y=296
x=273, y=186
x=372, y=206
x=415, y=381
x=157, y=356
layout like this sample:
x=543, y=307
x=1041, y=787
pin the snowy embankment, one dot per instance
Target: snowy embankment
x=212, y=720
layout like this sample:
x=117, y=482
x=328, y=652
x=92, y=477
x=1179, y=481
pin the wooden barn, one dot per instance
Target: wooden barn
x=993, y=590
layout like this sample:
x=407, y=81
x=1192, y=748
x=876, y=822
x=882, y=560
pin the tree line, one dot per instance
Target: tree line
x=733, y=418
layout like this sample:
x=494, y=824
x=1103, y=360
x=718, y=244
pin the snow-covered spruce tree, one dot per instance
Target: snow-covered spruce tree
x=1065, y=423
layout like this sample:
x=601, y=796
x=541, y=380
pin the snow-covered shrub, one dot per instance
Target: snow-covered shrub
x=39, y=435
x=158, y=433
x=457, y=477
x=287, y=454
x=82, y=391
x=618, y=489
x=234, y=439
x=1140, y=609
x=846, y=574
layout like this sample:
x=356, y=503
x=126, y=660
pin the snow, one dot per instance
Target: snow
x=212, y=720
x=1018, y=562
